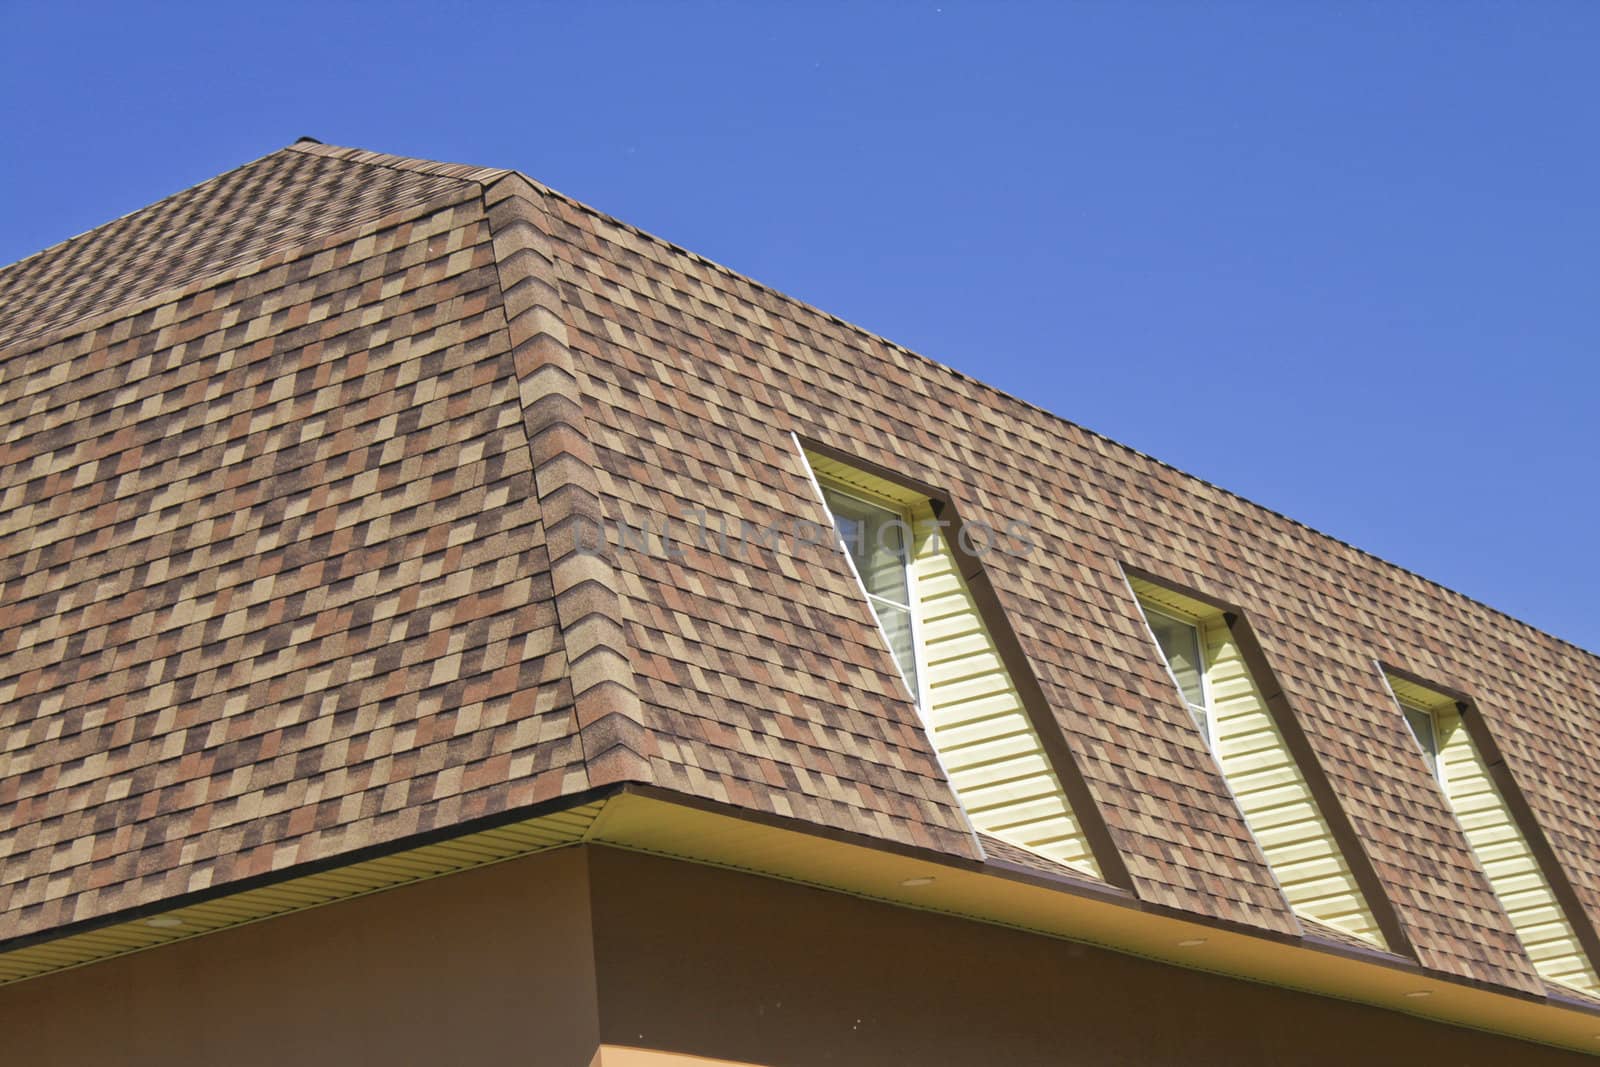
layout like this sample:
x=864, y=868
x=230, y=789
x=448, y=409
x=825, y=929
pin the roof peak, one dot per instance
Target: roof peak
x=214, y=226
x=414, y=164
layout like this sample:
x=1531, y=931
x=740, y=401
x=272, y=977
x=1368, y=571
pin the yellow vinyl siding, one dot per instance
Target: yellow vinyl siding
x=979, y=726
x=1269, y=786
x=1506, y=858
x=971, y=708
x=1276, y=801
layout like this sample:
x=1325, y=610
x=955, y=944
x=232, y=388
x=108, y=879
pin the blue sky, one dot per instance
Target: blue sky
x=1340, y=258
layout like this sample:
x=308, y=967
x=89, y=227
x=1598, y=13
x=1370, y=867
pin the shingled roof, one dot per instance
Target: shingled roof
x=294, y=471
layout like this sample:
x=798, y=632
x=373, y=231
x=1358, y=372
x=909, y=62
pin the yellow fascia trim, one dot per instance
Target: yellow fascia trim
x=1162, y=599
x=1420, y=696
x=297, y=894
x=832, y=472
x=661, y=826
x=656, y=825
x=625, y=1056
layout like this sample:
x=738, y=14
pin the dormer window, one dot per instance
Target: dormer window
x=1210, y=667
x=877, y=539
x=1434, y=722
x=1438, y=722
x=1425, y=729
x=1181, y=646
x=909, y=570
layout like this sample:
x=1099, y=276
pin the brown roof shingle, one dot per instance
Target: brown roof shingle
x=273, y=204
x=697, y=375
x=295, y=468
x=275, y=583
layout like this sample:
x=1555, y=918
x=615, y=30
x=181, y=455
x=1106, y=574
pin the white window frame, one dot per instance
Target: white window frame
x=824, y=486
x=1146, y=610
x=1438, y=738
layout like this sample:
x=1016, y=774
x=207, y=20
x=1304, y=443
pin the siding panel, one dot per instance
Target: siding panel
x=1508, y=861
x=1275, y=799
x=980, y=729
x=1265, y=780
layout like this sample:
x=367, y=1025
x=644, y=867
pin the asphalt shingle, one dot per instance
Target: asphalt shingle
x=300, y=478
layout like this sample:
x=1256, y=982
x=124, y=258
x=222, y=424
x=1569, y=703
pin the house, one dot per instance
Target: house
x=445, y=624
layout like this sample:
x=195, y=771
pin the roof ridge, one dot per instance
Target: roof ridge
x=1047, y=413
x=617, y=743
x=310, y=146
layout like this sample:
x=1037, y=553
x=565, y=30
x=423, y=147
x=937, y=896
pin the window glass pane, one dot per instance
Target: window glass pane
x=1180, y=643
x=876, y=539
x=896, y=623
x=1421, y=723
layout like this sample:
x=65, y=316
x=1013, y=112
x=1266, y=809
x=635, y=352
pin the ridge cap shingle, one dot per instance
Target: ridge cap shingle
x=617, y=743
x=464, y=171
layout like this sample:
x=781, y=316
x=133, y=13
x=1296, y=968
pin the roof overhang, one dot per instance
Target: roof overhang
x=1033, y=899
